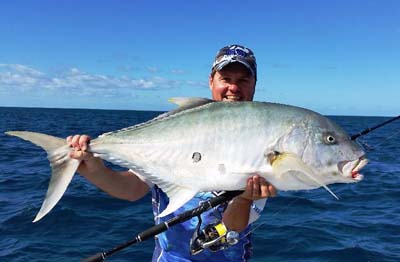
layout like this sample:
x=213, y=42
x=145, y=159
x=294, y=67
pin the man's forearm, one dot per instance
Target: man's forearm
x=236, y=215
x=120, y=184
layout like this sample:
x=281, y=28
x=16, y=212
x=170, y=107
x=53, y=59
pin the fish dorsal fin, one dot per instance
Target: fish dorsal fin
x=189, y=102
x=285, y=162
x=184, y=103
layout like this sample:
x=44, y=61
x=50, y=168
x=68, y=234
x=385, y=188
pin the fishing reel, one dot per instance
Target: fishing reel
x=214, y=236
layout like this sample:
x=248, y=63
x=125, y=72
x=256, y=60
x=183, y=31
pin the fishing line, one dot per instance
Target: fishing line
x=385, y=140
x=150, y=232
x=352, y=137
x=367, y=147
x=274, y=214
x=370, y=129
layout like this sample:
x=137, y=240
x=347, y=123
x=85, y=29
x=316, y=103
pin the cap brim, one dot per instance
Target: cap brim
x=222, y=64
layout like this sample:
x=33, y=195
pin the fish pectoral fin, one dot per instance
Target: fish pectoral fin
x=284, y=162
x=178, y=196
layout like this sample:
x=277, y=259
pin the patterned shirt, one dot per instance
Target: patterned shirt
x=174, y=244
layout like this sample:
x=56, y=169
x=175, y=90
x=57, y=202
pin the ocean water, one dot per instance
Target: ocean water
x=364, y=225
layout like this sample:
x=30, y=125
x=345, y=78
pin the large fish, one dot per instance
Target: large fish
x=206, y=146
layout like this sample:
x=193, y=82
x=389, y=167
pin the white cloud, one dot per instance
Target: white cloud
x=19, y=75
x=197, y=83
x=178, y=71
x=16, y=77
x=152, y=69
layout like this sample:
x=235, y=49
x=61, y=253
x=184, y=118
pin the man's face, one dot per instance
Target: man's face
x=234, y=82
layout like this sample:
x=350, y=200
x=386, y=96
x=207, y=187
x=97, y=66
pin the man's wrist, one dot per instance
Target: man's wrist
x=243, y=200
x=95, y=166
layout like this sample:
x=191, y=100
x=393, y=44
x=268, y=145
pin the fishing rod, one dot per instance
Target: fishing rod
x=204, y=206
x=157, y=229
x=366, y=131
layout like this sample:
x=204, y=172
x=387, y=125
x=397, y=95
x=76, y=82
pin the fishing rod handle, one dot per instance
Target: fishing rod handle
x=151, y=232
x=227, y=196
x=213, y=202
x=155, y=230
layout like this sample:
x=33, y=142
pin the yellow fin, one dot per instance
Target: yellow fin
x=285, y=162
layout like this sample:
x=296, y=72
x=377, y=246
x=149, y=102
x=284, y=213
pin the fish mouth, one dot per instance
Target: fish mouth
x=350, y=169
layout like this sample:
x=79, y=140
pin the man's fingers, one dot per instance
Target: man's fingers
x=77, y=154
x=69, y=140
x=264, y=188
x=75, y=142
x=268, y=190
x=265, y=191
x=272, y=190
x=256, y=187
x=78, y=142
x=248, y=192
x=249, y=187
x=84, y=141
x=80, y=155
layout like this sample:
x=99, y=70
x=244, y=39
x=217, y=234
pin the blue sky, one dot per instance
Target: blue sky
x=335, y=57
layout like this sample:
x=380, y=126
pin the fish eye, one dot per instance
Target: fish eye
x=330, y=139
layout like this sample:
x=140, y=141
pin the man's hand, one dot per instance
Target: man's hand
x=258, y=188
x=120, y=184
x=79, y=143
x=89, y=163
x=236, y=216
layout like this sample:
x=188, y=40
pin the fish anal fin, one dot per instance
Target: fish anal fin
x=178, y=196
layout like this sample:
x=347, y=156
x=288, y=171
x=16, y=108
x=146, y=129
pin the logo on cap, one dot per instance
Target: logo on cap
x=233, y=54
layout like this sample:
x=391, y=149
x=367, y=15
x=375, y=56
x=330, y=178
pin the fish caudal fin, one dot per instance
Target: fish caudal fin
x=63, y=167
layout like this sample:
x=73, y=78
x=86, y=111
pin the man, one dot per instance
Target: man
x=233, y=78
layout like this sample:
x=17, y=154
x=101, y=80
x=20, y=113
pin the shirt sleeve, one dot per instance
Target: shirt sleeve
x=143, y=178
x=256, y=208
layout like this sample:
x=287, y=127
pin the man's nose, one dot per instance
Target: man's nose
x=233, y=87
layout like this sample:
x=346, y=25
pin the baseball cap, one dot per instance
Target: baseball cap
x=233, y=54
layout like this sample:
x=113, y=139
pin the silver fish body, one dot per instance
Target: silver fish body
x=206, y=146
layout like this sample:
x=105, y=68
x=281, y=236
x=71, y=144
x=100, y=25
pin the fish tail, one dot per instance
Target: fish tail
x=63, y=167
